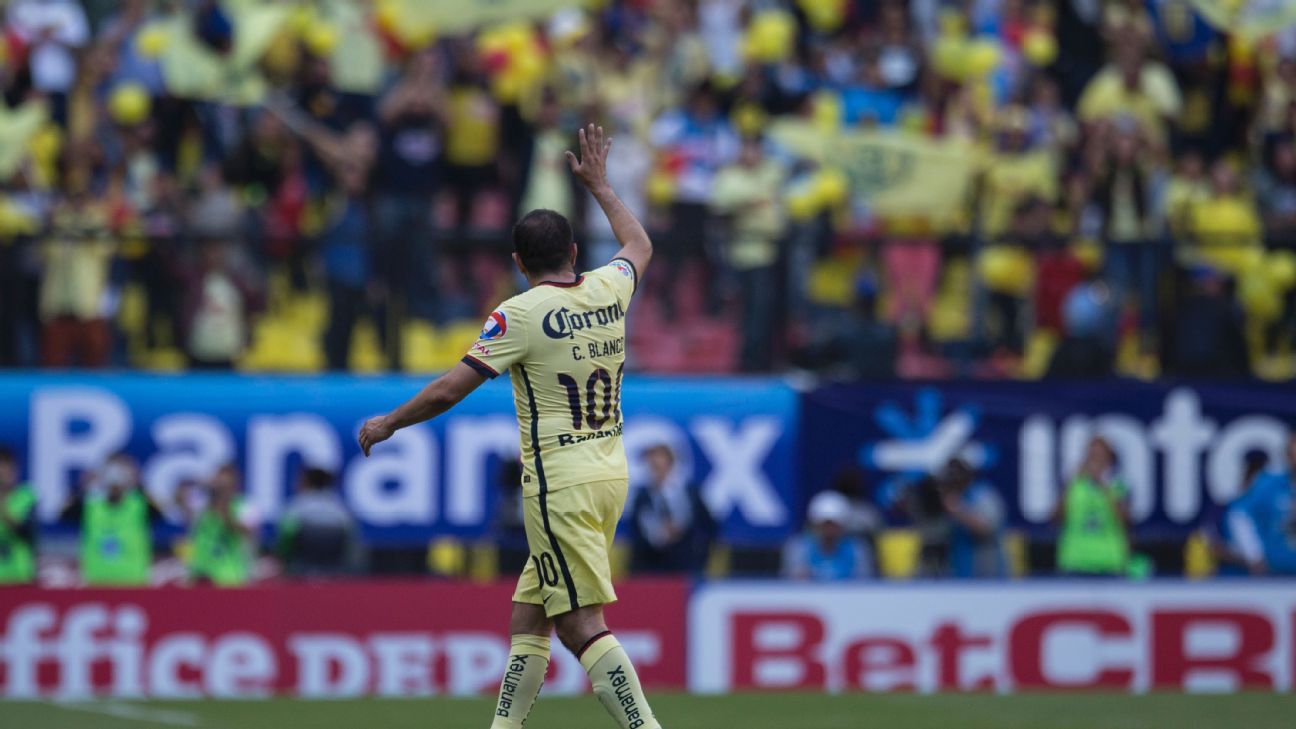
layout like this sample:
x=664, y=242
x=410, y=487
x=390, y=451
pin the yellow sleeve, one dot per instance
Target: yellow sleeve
x=1095, y=100
x=502, y=343
x=621, y=275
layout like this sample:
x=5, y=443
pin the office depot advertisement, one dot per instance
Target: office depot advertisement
x=357, y=638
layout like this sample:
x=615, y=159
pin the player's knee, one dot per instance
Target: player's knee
x=578, y=626
x=529, y=620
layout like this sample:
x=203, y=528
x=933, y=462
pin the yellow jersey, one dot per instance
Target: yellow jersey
x=563, y=345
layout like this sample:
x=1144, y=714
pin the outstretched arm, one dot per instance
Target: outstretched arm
x=591, y=170
x=439, y=396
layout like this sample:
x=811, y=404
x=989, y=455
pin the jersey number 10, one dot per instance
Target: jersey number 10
x=599, y=379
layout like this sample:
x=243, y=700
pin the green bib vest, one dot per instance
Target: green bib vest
x=116, y=541
x=17, y=558
x=1093, y=539
x=220, y=554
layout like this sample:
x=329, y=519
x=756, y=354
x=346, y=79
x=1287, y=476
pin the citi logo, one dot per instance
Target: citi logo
x=564, y=323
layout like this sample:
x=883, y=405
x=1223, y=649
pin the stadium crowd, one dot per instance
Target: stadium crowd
x=340, y=194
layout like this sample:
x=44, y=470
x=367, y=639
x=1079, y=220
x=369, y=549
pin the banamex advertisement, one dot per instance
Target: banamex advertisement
x=737, y=438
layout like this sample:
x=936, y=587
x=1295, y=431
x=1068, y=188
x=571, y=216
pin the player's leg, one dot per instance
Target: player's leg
x=528, y=660
x=613, y=676
x=586, y=524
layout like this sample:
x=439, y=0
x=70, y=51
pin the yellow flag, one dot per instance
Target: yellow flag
x=192, y=70
x=896, y=173
x=356, y=65
x=902, y=174
x=450, y=18
x=17, y=127
x=1250, y=18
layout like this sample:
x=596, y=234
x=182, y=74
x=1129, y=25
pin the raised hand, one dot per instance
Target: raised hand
x=591, y=167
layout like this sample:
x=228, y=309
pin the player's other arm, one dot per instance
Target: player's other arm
x=591, y=170
x=439, y=396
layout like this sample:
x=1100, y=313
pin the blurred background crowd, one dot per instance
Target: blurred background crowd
x=920, y=188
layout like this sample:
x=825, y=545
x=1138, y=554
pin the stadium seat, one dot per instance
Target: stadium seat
x=898, y=551
x=1039, y=353
x=447, y=557
x=484, y=562
x=718, y=562
x=1199, y=557
x=1015, y=550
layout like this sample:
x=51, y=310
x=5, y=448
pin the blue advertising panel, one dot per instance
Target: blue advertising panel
x=1181, y=447
x=735, y=437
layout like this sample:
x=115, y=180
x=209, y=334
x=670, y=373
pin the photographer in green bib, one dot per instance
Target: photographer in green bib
x=222, y=532
x=116, y=519
x=17, y=524
x=1094, y=517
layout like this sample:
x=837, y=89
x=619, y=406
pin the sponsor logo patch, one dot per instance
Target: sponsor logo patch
x=495, y=327
x=624, y=267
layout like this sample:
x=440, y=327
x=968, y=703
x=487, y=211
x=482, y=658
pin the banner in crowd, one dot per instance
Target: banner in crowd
x=1251, y=18
x=17, y=127
x=462, y=17
x=736, y=438
x=989, y=636
x=1181, y=448
x=896, y=173
x=305, y=639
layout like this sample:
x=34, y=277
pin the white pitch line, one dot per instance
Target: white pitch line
x=123, y=710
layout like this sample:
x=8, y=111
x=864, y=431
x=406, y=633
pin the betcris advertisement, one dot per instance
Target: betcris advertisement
x=736, y=438
x=1181, y=447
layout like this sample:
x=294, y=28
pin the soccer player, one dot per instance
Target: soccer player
x=563, y=343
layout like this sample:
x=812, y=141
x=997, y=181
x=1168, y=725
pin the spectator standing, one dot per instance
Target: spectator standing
x=825, y=552
x=1277, y=192
x=223, y=532
x=53, y=31
x=548, y=183
x=345, y=240
x=17, y=524
x=1085, y=352
x=748, y=194
x=217, y=309
x=1131, y=217
x=1132, y=85
x=1206, y=339
x=472, y=146
x=408, y=178
x=673, y=528
x=696, y=141
x=317, y=534
x=76, y=299
x=116, y=519
x=1094, y=517
x=1262, y=522
x=1226, y=226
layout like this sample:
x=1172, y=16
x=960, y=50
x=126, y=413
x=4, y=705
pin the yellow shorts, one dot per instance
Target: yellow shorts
x=569, y=532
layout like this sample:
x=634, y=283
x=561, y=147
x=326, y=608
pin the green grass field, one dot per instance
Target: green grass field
x=677, y=711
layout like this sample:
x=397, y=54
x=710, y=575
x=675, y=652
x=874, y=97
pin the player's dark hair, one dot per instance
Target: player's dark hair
x=542, y=240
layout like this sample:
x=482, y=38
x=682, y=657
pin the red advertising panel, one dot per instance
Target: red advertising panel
x=1113, y=636
x=395, y=638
